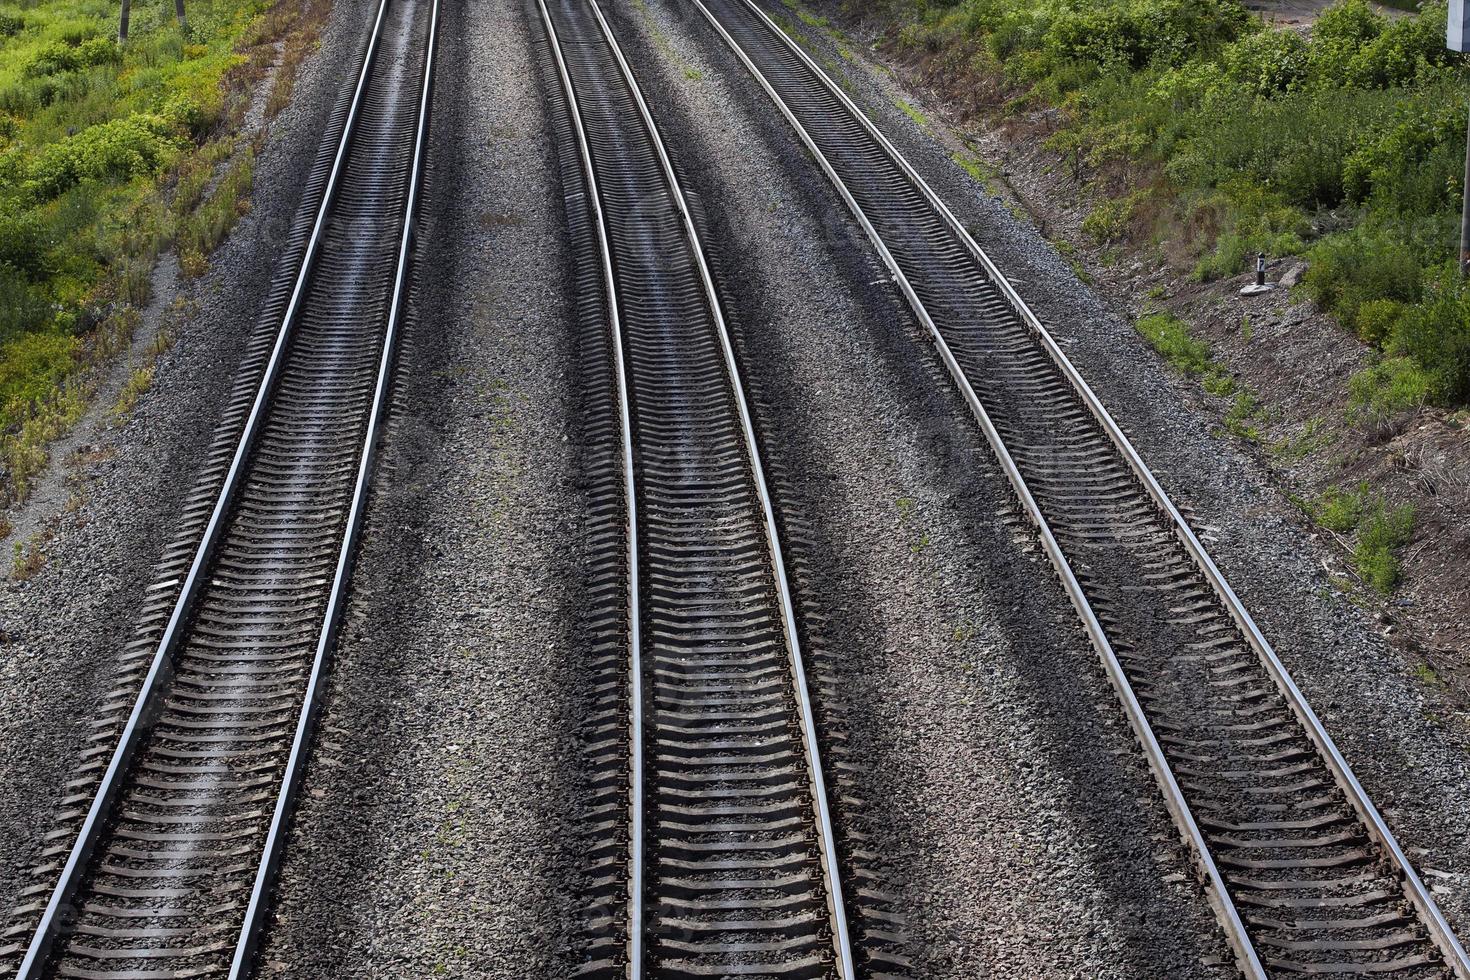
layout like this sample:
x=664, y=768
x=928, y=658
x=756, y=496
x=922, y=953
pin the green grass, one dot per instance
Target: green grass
x=981, y=171
x=1170, y=336
x=913, y=113
x=1380, y=531
x=95, y=138
x=1200, y=126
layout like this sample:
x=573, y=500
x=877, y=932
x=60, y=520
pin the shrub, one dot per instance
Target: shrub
x=60, y=56
x=1379, y=394
x=11, y=25
x=1380, y=532
x=1134, y=35
x=118, y=150
x=1349, y=21
x=1409, y=164
x=1108, y=222
x=1376, y=319
x=1354, y=268
x=1436, y=334
x=23, y=242
x=1401, y=51
x=30, y=367
x=1251, y=219
x=1268, y=62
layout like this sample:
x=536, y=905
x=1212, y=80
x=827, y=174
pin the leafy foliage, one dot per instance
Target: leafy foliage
x=1256, y=136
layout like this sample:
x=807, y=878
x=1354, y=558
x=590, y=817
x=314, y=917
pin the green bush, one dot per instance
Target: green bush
x=1406, y=49
x=30, y=367
x=1268, y=62
x=1376, y=319
x=1436, y=334
x=1380, y=531
x=1349, y=23
x=1348, y=270
x=1108, y=222
x=23, y=242
x=1386, y=390
x=118, y=150
x=61, y=56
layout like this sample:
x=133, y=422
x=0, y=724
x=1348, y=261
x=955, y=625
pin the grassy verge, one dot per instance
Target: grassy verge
x=1210, y=136
x=109, y=155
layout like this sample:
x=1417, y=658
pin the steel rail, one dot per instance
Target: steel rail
x=842, y=943
x=1174, y=799
x=1414, y=888
x=630, y=510
x=247, y=944
x=145, y=706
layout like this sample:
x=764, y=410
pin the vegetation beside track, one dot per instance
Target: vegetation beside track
x=109, y=155
x=1211, y=136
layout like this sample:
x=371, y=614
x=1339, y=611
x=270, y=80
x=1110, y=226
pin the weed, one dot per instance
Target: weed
x=1427, y=676
x=975, y=167
x=136, y=387
x=1241, y=420
x=27, y=560
x=1312, y=437
x=1170, y=336
x=1380, y=529
x=1339, y=510
x=913, y=113
x=1380, y=532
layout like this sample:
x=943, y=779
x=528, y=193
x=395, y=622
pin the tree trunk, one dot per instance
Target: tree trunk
x=179, y=13
x=122, y=22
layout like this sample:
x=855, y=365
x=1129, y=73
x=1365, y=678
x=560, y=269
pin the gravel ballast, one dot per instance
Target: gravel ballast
x=1409, y=747
x=63, y=627
x=1009, y=806
x=432, y=835
x=1001, y=780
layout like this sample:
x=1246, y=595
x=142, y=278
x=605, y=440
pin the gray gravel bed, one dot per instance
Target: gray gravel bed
x=63, y=628
x=1023, y=833
x=1410, y=749
x=432, y=837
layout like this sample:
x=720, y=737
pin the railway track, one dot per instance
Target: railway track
x=163, y=866
x=1305, y=876
x=724, y=861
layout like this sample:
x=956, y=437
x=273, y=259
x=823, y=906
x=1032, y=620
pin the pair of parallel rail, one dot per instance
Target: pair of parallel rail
x=164, y=869
x=726, y=857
